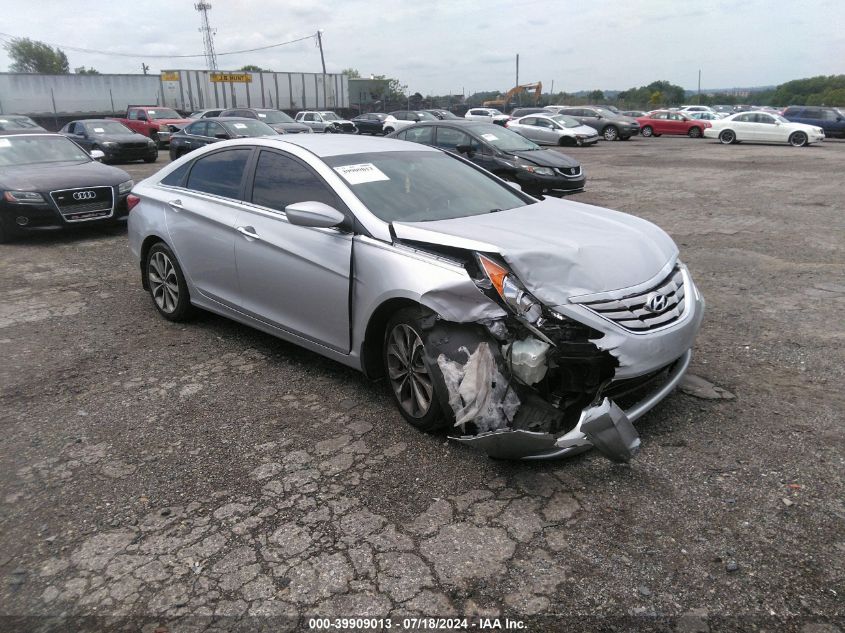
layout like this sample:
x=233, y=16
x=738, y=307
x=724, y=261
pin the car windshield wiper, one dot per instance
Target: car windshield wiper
x=495, y=210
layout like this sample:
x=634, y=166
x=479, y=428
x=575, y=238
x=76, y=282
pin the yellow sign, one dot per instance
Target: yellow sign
x=170, y=76
x=240, y=78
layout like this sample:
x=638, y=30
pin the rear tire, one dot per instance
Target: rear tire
x=155, y=139
x=647, y=131
x=168, y=288
x=388, y=130
x=727, y=137
x=694, y=132
x=798, y=139
x=410, y=377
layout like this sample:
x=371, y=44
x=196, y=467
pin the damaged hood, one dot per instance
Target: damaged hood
x=558, y=248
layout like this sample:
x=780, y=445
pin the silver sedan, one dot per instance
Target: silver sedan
x=554, y=129
x=529, y=328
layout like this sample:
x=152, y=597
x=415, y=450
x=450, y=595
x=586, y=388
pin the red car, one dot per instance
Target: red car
x=668, y=122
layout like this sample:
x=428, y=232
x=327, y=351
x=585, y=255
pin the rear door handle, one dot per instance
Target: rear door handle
x=176, y=205
x=247, y=231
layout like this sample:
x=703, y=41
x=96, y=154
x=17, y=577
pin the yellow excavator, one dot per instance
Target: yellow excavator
x=506, y=100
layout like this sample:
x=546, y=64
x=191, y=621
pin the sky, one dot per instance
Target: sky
x=442, y=46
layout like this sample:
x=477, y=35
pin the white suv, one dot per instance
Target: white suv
x=325, y=121
x=400, y=119
x=491, y=115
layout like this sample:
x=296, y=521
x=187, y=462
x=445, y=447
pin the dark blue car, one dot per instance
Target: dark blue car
x=831, y=120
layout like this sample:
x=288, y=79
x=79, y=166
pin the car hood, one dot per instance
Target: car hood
x=120, y=138
x=289, y=127
x=180, y=122
x=546, y=158
x=558, y=248
x=60, y=176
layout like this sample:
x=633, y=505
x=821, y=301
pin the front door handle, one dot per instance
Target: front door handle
x=247, y=231
x=176, y=205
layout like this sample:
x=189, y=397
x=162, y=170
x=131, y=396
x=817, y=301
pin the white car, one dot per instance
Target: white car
x=400, y=119
x=763, y=127
x=695, y=108
x=705, y=116
x=553, y=129
x=491, y=115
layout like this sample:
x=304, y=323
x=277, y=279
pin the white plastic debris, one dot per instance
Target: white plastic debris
x=478, y=392
x=527, y=359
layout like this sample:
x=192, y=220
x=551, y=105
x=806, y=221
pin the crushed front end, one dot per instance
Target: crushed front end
x=549, y=381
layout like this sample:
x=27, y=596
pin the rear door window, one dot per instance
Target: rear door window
x=220, y=173
x=449, y=138
x=420, y=134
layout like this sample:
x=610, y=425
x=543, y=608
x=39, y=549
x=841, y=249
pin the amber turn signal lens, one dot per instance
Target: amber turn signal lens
x=495, y=272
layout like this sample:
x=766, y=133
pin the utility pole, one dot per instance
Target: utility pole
x=207, y=34
x=517, y=70
x=323, y=61
x=144, y=67
x=699, y=86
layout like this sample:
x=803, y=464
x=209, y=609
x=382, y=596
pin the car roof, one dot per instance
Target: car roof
x=233, y=118
x=33, y=133
x=326, y=145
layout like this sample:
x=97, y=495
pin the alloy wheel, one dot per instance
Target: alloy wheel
x=610, y=133
x=694, y=132
x=727, y=137
x=408, y=373
x=799, y=139
x=647, y=131
x=164, y=283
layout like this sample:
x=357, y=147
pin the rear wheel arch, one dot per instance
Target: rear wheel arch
x=146, y=245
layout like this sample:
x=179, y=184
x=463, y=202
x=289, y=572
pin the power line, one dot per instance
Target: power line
x=76, y=49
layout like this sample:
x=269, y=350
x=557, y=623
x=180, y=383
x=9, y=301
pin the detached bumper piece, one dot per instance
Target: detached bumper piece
x=604, y=426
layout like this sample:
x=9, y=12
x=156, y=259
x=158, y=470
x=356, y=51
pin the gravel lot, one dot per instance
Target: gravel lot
x=209, y=477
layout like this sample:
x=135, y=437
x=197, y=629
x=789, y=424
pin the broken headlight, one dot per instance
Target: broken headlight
x=511, y=290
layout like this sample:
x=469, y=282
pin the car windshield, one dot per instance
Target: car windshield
x=607, y=113
x=426, y=116
x=274, y=116
x=32, y=150
x=107, y=127
x=330, y=116
x=248, y=127
x=505, y=140
x=17, y=123
x=422, y=186
x=163, y=113
x=566, y=121
x=494, y=112
x=448, y=116
x=778, y=117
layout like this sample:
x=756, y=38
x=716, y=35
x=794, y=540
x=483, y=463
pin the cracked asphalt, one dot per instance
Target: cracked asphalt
x=166, y=477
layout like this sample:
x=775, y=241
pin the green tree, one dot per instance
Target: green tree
x=30, y=56
x=86, y=71
x=352, y=73
x=596, y=96
x=656, y=99
x=252, y=68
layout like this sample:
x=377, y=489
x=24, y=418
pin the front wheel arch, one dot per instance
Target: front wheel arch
x=372, y=347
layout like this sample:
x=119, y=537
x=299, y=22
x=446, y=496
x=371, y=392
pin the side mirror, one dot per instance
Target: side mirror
x=778, y=123
x=313, y=214
x=598, y=116
x=464, y=149
x=97, y=154
x=221, y=135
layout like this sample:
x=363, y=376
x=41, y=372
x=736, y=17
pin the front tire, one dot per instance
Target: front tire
x=411, y=379
x=727, y=137
x=694, y=132
x=168, y=288
x=151, y=159
x=610, y=133
x=798, y=139
x=647, y=131
x=388, y=130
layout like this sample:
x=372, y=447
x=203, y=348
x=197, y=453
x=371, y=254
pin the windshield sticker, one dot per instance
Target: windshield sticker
x=99, y=130
x=490, y=137
x=361, y=173
x=151, y=111
x=262, y=116
x=4, y=120
x=4, y=142
x=240, y=126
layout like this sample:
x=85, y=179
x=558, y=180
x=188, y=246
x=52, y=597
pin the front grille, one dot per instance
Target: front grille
x=134, y=145
x=655, y=308
x=569, y=171
x=84, y=204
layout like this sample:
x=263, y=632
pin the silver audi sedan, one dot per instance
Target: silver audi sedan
x=529, y=328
